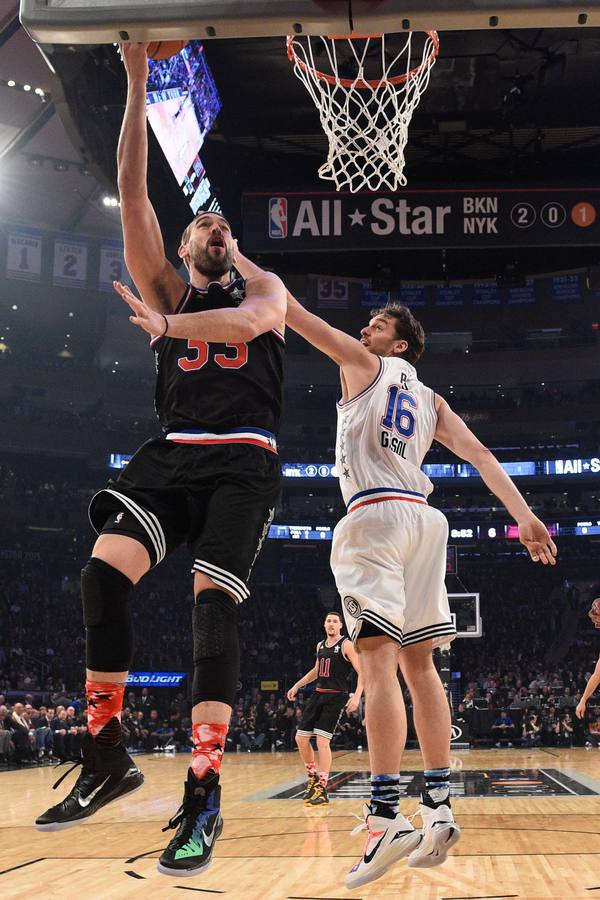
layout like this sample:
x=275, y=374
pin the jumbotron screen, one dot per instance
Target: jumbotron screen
x=182, y=103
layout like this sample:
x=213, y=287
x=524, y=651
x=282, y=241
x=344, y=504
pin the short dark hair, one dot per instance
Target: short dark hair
x=408, y=329
x=203, y=212
x=334, y=612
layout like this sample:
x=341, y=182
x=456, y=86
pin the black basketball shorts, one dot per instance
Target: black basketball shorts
x=219, y=499
x=322, y=714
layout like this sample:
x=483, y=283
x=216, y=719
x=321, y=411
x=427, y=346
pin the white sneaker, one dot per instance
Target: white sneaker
x=388, y=841
x=440, y=832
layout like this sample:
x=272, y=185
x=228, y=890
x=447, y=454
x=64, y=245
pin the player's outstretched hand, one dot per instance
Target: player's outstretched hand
x=533, y=534
x=152, y=322
x=352, y=705
x=291, y=694
x=580, y=709
x=135, y=60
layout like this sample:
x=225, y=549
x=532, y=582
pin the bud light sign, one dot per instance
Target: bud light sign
x=278, y=217
x=155, y=679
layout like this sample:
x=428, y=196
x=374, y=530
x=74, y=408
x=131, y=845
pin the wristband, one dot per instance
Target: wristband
x=166, y=325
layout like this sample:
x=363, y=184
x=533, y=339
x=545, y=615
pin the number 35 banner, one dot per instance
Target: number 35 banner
x=70, y=263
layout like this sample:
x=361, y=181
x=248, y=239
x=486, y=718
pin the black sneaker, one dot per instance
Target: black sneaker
x=108, y=773
x=200, y=824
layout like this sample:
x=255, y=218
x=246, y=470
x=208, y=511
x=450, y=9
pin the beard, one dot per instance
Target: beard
x=211, y=266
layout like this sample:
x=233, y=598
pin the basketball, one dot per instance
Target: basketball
x=165, y=49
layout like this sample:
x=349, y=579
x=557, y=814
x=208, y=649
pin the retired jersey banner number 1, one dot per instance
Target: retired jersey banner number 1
x=478, y=217
x=24, y=255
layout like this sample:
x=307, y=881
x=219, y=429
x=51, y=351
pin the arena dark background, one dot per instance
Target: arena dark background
x=76, y=382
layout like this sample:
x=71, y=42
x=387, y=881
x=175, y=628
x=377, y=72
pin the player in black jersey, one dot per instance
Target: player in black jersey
x=335, y=658
x=211, y=480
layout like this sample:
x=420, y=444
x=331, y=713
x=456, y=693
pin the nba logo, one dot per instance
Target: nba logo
x=278, y=217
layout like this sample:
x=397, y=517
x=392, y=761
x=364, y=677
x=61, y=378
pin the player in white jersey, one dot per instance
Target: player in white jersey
x=389, y=562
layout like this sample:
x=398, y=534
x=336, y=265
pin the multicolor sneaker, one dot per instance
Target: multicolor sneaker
x=440, y=833
x=312, y=782
x=319, y=796
x=199, y=823
x=108, y=773
x=390, y=838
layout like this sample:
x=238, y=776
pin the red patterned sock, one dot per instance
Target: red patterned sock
x=311, y=769
x=209, y=742
x=323, y=779
x=105, y=701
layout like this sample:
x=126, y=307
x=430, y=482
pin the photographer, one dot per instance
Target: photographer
x=531, y=731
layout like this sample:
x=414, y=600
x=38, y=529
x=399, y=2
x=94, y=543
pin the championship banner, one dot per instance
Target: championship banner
x=411, y=295
x=24, y=254
x=70, y=263
x=112, y=266
x=482, y=217
x=373, y=299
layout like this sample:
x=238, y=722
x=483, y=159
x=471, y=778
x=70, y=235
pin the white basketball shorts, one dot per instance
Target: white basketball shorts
x=389, y=564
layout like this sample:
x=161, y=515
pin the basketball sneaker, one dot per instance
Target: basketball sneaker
x=440, y=832
x=319, y=796
x=199, y=823
x=310, y=786
x=107, y=774
x=390, y=838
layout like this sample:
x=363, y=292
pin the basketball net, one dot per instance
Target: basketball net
x=365, y=119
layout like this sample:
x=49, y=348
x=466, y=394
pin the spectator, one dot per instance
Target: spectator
x=565, y=733
x=592, y=735
x=6, y=745
x=503, y=729
x=20, y=728
x=44, y=739
x=250, y=738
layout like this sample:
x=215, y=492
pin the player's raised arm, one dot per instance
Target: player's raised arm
x=342, y=348
x=262, y=310
x=339, y=346
x=452, y=432
x=155, y=277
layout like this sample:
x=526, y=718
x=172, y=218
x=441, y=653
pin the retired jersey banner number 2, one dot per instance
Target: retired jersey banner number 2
x=482, y=217
x=70, y=263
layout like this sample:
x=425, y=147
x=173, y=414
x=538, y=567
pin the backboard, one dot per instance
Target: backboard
x=465, y=615
x=107, y=21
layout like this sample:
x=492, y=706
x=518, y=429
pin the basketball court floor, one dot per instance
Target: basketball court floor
x=530, y=822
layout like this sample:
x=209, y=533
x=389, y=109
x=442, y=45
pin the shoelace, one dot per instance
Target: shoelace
x=362, y=827
x=68, y=772
x=363, y=823
x=184, y=810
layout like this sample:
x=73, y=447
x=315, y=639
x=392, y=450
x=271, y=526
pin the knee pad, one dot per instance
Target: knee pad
x=216, y=647
x=106, y=599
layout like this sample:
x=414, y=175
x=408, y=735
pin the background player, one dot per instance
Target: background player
x=594, y=679
x=389, y=562
x=212, y=480
x=335, y=658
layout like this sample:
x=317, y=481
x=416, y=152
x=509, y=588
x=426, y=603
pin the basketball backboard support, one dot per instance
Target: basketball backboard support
x=464, y=609
x=108, y=21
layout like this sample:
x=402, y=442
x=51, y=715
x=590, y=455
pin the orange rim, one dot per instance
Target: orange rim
x=349, y=82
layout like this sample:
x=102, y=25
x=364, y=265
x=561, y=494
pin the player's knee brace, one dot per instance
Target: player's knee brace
x=216, y=647
x=106, y=596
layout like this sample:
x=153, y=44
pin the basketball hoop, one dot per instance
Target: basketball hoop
x=366, y=94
